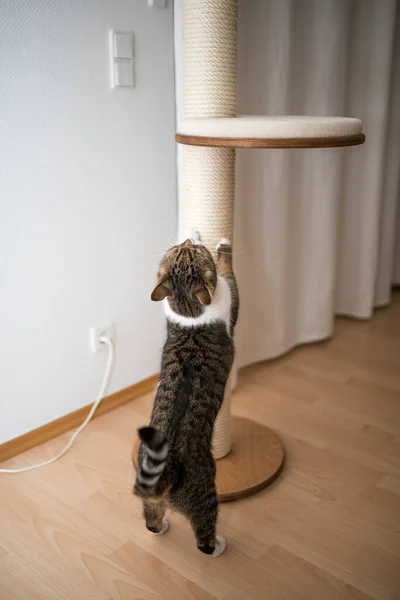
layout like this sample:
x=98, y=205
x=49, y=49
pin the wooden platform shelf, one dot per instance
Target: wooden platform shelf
x=271, y=131
x=271, y=143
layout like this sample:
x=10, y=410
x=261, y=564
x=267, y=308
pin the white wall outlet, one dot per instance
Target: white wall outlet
x=95, y=334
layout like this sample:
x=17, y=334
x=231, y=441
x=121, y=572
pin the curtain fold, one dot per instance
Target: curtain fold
x=315, y=230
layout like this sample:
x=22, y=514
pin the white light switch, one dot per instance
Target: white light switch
x=121, y=59
x=123, y=73
x=122, y=44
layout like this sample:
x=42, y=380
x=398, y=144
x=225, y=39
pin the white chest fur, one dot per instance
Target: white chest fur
x=218, y=310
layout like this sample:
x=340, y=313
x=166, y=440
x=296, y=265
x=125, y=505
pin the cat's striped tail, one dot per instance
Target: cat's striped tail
x=151, y=462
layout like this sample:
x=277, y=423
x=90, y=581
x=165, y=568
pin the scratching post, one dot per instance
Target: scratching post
x=249, y=455
x=209, y=50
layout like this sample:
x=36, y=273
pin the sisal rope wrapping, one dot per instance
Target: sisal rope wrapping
x=209, y=187
x=209, y=57
x=209, y=65
x=222, y=438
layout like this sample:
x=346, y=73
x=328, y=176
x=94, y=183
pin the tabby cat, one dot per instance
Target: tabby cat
x=175, y=462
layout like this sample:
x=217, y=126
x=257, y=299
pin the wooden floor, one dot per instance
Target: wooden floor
x=328, y=528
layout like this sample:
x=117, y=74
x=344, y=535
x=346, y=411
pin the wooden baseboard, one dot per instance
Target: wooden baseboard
x=74, y=419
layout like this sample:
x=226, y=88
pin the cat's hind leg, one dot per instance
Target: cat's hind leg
x=154, y=511
x=203, y=517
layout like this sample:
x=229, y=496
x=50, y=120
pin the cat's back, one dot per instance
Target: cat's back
x=195, y=368
x=196, y=350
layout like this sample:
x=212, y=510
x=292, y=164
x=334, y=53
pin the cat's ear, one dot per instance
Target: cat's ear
x=161, y=291
x=203, y=295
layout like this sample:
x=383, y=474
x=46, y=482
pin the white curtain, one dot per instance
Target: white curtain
x=315, y=230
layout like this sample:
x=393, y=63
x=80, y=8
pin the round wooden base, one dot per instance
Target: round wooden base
x=254, y=462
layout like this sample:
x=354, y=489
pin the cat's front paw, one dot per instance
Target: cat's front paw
x=195, y=236
x=223, y=242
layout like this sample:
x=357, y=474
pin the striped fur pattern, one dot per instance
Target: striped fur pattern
x=155, y=452
x=175, y=462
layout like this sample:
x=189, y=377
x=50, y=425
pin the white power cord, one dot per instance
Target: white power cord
x=106, y=380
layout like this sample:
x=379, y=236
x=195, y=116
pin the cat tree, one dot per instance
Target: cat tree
x=249, y=455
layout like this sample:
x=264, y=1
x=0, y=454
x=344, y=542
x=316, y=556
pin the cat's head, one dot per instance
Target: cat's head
x=188, y=278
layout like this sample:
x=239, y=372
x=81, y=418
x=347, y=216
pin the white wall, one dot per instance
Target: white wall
x=87, y=201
